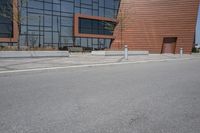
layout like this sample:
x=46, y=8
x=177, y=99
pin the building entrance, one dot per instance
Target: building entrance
x=169, y=45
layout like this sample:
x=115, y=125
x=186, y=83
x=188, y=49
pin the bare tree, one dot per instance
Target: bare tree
x=65, y=41
x=33, y=39
x=123, y=14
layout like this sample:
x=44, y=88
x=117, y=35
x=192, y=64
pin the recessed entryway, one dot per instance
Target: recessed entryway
x=169, y=45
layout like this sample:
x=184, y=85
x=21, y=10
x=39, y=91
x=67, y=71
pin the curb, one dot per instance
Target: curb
x=33, y=54
x=118, y=53
x=91, y=65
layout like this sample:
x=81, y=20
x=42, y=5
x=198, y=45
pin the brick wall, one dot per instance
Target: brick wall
x=146, y=22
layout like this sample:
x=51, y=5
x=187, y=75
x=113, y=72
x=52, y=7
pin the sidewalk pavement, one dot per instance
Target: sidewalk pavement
x=75, y=59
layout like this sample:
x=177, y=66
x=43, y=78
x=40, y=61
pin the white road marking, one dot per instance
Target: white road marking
x=90, y=65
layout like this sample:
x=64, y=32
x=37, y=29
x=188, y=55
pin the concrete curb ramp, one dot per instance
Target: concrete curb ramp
x=118, y=53
x=33, y=54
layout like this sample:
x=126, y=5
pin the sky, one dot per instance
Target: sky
x=198, y=29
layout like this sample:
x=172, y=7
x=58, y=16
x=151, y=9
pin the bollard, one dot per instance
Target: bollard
x=181, y=51
x=126, y=52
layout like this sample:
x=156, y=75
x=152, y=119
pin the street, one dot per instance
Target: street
x=153, y=97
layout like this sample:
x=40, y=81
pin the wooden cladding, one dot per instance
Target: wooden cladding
x=147, y=22
x=15, y=24
x=76, y=26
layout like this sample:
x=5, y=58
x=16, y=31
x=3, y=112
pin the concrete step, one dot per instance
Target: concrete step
x=118, y=53
x=33, y=54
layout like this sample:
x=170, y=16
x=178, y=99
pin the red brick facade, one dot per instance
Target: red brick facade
x=146, y=23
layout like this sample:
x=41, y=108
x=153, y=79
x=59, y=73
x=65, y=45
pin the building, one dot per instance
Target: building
x=159, y=26
x=58, y=23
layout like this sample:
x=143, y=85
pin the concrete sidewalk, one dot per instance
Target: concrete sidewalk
x=76, y=59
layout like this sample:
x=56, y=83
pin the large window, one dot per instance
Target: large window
x=50, y=23
x=6, y=24
x=89, y=26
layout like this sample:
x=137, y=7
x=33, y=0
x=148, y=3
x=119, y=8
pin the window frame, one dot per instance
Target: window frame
x=76, y=26
x=15, y=30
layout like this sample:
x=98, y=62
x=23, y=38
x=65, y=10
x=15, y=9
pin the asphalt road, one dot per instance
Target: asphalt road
x=156, y=97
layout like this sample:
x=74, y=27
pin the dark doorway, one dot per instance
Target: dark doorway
x=169, y=45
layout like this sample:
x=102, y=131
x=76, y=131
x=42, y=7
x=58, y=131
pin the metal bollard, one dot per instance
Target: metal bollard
x=181, y=51
x=126, y=52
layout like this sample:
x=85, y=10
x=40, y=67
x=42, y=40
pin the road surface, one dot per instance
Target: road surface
x=154, y=97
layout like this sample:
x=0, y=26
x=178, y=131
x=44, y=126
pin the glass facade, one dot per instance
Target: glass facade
x=6, y=26
x=50, y=23
x=90, y=26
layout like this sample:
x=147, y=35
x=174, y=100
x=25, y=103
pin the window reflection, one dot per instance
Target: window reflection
x=6, y=21
x=51, y=21
x=89, y=26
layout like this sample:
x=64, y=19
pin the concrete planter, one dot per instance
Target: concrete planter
x=118, y=53
x=33, y=54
